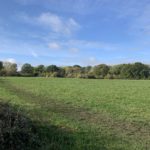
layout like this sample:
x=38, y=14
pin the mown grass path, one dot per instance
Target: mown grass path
x=90, y=129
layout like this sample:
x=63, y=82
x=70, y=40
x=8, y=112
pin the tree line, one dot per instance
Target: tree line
x=136, y=70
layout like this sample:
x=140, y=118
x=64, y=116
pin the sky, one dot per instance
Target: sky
x=69, y=32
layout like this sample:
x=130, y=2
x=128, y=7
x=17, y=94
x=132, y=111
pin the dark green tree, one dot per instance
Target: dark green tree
x=27, y=70
x=52, y=69
x=1, y=65
x=100, y=71
x=140, y=71
x=39, y=70
x=135, y=71
x=126, y=71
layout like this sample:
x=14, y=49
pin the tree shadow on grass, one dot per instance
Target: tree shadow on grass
x=18, y=132
x=55, y=137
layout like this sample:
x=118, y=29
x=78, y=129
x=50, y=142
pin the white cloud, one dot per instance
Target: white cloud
x=11, y=60
x=74, y=50
x=91, y=61
x=54, y=46
x=34, y=54
x=84, y=44
x=53, y=22
x=57, y=23
x=76, y=46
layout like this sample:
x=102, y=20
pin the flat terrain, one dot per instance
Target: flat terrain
x=84, y=114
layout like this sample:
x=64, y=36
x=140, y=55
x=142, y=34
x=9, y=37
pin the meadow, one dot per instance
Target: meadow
x=83, y=114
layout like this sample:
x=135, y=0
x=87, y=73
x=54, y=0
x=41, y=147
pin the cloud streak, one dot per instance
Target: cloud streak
x=54, y=46
x=11, y=60
x=56, y=23
x=34, y=54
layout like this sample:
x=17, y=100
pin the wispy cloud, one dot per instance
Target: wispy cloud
x=136, y=13
x=11, y=60
x=77, y=46
x=91, y=61
x=34, y=54
x=120, y=8
x=54, y=22
x=54, y=46
x=70, y=6
x=25, y=2
x=85, y=44
x=141, y=24
x=74, y=50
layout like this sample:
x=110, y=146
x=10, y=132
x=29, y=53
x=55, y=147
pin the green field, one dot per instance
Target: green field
x=82, y=114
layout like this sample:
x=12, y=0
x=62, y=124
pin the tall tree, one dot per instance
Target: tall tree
x=140, y=71
x=1, y=65
x=39, y=70
x=27, y=70
x=10, y=68
x=101, y=70
x=52, y=68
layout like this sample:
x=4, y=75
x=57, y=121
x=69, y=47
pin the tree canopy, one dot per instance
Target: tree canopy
x=136, y=70
x=1, y=65
x=27, y=70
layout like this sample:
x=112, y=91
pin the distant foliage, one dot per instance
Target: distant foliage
x=136, y=70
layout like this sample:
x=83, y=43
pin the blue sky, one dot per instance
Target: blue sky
x=68, y=32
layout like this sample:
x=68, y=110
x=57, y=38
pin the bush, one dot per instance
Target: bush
x=109, y=76
x=17, y=132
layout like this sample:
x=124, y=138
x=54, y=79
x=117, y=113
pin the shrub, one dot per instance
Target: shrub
x=109, y=76
x=17, y=132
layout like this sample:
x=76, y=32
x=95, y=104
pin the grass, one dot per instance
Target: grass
x=82, y=114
